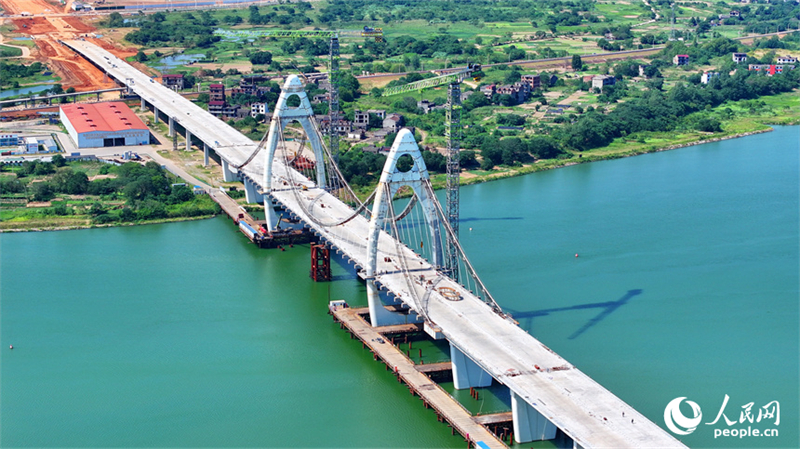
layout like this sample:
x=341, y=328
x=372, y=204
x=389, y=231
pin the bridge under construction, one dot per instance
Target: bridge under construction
x=400, y=253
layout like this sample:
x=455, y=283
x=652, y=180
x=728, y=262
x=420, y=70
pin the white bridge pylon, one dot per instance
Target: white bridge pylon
x=282, y=116
x=392, y=179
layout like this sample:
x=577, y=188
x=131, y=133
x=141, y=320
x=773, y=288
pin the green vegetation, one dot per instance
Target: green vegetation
x=12, y=75
x=129, y=193
x=9, y=52
x=564, y=121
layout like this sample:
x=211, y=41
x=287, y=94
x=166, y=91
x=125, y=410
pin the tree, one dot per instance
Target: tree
x=41, y=191
x=140, y=56
x=577, y=63
x=58, y=160
x=261, y=57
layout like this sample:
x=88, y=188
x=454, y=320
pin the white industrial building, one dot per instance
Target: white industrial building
x=111, y=124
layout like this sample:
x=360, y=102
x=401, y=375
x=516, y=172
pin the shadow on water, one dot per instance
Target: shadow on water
x=607, y=307
x=464, y=220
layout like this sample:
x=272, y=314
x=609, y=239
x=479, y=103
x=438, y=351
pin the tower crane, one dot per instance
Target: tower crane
x=452, y=129
x=334, y=36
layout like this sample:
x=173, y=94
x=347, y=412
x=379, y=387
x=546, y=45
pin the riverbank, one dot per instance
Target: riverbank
x=106, y=225
x=582, y=158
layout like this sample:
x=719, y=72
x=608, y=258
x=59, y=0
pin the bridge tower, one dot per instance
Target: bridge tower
x=392, y=179
x=282, y=116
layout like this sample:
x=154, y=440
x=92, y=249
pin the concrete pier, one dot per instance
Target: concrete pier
x=205, y=155
x=466, y=373
x=228, y=175
x=188, y=140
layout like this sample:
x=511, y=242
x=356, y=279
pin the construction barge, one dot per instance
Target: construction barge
x=256, y=230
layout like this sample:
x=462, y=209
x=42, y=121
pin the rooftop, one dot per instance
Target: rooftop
x=108, y=117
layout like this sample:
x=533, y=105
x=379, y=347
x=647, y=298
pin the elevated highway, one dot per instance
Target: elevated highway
x=547, y=391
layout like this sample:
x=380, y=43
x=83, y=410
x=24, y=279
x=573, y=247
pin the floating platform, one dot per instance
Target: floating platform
x=419, y=384
x=255, y=230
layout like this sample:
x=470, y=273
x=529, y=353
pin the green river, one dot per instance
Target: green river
x=186, y=335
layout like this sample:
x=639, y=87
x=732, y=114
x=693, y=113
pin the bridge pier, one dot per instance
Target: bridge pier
x=251, y=193
x=269, y=213
x=143, y=105
x=188, y=140
x=227, y=174
x=529, y=425
x=171, y=127
x=155, y=113
x=205, y=155
x=466, y=373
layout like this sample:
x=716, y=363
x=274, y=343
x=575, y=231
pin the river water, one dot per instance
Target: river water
x=185, y=335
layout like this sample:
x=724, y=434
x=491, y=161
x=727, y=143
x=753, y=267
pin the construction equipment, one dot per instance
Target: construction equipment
x=334, y=36
x=453, y=133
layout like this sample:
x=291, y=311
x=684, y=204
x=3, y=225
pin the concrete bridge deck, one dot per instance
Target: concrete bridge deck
x=588, y=413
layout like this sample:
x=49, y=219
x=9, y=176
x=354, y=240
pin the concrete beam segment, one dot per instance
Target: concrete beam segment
x=188, y=140
x=529, y=425
x=466, y=373
x=251, y=191
x=227, y=174
x=282, y=116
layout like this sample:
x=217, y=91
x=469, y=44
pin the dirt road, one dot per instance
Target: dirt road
x=47, y=30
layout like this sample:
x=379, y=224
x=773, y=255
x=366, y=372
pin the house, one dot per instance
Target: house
x=258, y=108
x=174, y=82
x=534, y=81
x=553, y=80
x=587, y=79
x=216, y=92
x=488, y=91
x=786, y=60
x=381, y=113
x=321, y=98
x=360, y=119
x=426, y=106
x=356, y=134
x=599, y=81
x=642, y=69
x=706, y=77
x=769, y=69
x=680, y=59
x=518, y=91
x=393, y=122
x=215, y=107
x=342, y=127
x=739, y=57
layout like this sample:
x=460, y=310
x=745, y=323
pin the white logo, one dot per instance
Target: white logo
x=675, y=420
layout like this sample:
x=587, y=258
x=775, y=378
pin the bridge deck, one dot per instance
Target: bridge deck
x=576, y=404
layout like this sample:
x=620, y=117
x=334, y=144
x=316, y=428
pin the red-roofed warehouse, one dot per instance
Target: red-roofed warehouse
x=110, y=124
